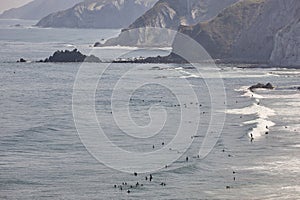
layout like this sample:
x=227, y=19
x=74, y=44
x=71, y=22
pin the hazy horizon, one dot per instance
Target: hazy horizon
x=8, y=4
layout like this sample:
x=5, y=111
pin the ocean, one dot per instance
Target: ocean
x=154, y=119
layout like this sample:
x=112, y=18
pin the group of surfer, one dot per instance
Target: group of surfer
x=129, y=188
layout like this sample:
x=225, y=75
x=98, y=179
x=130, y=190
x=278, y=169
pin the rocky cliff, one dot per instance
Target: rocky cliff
x=173, y=13
x=286, y=51
x=246, y=30
x=38, y=9
x=167, y=14
x=98, y=14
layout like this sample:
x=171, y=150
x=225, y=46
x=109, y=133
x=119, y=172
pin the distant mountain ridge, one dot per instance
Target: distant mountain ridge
x=38, y=9
x=98, y=14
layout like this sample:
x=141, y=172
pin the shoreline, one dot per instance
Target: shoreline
x=238, y=64
x=75, y=56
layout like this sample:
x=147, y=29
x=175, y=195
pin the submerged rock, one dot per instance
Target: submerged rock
x=71, y=56
x=263, y=86
x=97, y=44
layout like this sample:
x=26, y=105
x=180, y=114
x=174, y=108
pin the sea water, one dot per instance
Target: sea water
x=42, y=156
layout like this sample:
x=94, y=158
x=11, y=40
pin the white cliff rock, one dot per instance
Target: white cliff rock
x=287, y=46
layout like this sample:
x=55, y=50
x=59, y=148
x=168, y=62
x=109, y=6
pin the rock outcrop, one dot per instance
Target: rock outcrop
x=71, y=56
x=38, y=9
x=168, y=14
x=22, y=60
x=268, y=86
x=287, y=45
x=157, y=59
x=245, y=31
x=98, y=14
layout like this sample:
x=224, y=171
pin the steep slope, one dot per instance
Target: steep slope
x=287, y=45
x=172, y=13
x=98, y=14
x=38, y=9
x=167, y=14
x=246, y=30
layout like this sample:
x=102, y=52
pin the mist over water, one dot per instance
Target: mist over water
x=42, y=157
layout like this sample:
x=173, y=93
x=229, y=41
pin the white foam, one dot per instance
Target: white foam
x=281, y=164
x=164, y=48
x=263, y=113
x=286, y=73
x=261, y=128
x=289, y=96
x=70, y=45
x=296, y=146
x=289, y=112
x=262, y=122
x=134, y=48
x=190, y=76
x=249, y=93
x=292, y=188
x=185, y=73
x=118, y=47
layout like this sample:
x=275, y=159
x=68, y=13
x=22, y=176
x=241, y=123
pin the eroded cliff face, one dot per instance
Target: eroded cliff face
x=98, y=14
x=168, y=14
x=172, y=13
x=286, y=50
x=245, y=31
